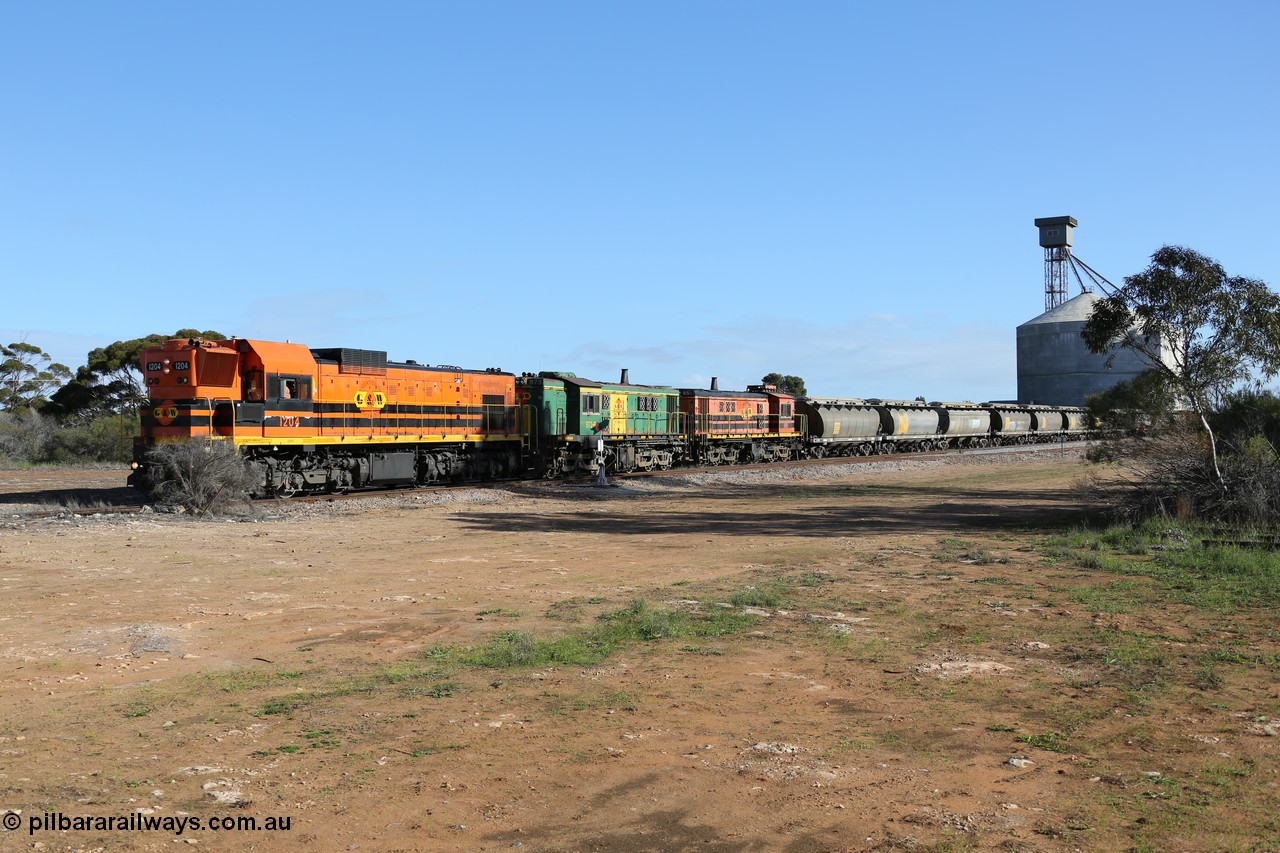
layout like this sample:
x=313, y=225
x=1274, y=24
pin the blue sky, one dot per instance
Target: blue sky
x=843, y=191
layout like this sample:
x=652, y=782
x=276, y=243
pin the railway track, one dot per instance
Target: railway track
x=826, y=462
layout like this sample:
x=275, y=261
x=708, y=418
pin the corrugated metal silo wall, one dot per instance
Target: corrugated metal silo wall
x=1055, y=367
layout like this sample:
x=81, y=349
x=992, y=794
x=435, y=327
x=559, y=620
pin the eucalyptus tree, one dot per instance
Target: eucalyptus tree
x=1201, y=330
x=27, y=376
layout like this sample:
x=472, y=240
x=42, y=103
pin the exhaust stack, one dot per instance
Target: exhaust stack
x=626, y=377
x=715, y=383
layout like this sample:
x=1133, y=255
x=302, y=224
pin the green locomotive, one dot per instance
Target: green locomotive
x=574, y=425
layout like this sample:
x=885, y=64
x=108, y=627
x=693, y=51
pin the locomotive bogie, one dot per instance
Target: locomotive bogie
x=280, y=472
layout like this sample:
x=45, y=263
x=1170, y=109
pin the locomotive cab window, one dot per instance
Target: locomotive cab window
x=591, y=404
x=292, y=387
x=253, y=386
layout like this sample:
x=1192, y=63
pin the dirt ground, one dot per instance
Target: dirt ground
x=928, y=679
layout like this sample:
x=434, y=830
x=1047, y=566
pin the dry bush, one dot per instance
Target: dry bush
x=1171, y=475
x=1252, y=472
x=26, y=435
x=200, y=476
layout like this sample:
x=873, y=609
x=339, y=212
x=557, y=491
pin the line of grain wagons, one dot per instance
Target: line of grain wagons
x=856, y=427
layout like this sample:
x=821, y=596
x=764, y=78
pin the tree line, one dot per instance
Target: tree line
x=49, y=414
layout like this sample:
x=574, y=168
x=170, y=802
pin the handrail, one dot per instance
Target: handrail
x=705, y=423
x=528, y=416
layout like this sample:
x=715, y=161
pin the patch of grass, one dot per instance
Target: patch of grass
x=614, y=701
x=1214, y=575
x=640, y=622
x=137, y=709
x=436, y=749
x=1116, y=597
x=443, y=690
x=756, y=597
x=1050, y=741
x=249, y=678
x=1135, y=662
x=570, y=610
x=322, y=739
x=500, y=611
x=962, y=551
x=813, y=579
x=398, y=672
x=1206, y=678
x=845, y=745
x=284, y=704
x=873, y=650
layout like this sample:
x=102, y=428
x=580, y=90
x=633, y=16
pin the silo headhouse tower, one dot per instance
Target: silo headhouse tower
x=1054, y=365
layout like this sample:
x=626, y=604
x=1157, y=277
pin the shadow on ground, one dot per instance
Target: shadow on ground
x=901, y=510
x=75, y=498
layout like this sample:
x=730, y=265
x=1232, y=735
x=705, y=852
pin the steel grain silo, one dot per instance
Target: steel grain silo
x=1054, y=365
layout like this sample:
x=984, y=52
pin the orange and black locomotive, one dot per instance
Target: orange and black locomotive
x=330, y=419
